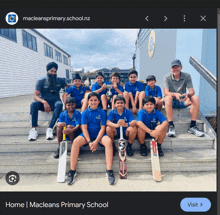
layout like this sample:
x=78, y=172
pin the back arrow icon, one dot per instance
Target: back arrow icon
x=147, y=18
x=165, y=19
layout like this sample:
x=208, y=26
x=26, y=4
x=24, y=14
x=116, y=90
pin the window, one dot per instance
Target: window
x=48, y=51
x=65, y=60
x=29, y=40
x=58, y=56
x=67, y=74
x=9, y=34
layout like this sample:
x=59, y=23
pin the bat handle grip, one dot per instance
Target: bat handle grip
x=121, y=132
x=64, y=135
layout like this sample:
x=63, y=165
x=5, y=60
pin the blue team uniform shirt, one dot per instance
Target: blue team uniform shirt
x=126, y=115
x=47, y=92
x=74, y=120
x=94, y=119
x=114, y=92
x=133, y=88
x=156, y=92
x=150, y=118
x=96, y=86
x=77, y=94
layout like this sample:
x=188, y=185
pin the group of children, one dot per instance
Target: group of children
x=91, y=126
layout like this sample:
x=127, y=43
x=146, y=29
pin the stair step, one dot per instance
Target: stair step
x=23, y=128
x=21, y=143
x=16, y=116
x=178, y=160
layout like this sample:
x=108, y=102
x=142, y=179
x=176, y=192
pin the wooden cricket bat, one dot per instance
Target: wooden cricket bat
x=155, y=161
x=62, y=160
x=122, y=155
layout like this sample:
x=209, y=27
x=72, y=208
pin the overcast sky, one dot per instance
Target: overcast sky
x=94, y=49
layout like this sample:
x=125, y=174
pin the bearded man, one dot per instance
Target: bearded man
x=47, y=98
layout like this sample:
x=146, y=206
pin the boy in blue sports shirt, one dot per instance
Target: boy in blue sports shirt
x=100, y=88
x=147, y=120
x=133, y=89
x=77, y=91
x=116, y=89
x=93, y=124
x=152, y=90
x=70, y=119
x=121, y=116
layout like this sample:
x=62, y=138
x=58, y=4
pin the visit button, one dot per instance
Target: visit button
x=195, y=204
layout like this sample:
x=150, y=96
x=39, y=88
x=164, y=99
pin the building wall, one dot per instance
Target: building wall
x=164, y=54
x=207, y=94
x=189, y=43
x=20, y=67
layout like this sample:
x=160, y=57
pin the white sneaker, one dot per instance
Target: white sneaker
x=49, y=134
x=32, y=134
x=171, y=132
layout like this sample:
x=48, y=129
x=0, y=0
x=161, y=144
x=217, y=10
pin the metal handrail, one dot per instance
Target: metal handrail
x=209, y=77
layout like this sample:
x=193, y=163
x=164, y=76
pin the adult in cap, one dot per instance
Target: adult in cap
x=47, y=98
x=175, y=85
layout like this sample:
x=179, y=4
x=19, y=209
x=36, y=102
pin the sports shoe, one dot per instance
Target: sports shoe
x=143, y=150
x=57, y=153
x=32, y=134
x=194, y=130
x=111, y=178
x=71, y=176
x=49, y=134
x=171, y=132
x=129, y=151
x=160, y=151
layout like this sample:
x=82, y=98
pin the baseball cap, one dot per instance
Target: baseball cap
x=176, y=63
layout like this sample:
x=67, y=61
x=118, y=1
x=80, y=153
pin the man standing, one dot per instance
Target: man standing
x=47, y=98
x=175, y=85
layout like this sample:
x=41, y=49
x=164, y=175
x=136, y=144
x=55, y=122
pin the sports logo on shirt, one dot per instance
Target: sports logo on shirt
x=153, y=121
x=125, y=119
x=74, y=119
x=98, y=117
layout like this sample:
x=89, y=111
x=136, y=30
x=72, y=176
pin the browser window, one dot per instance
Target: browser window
x=109, y=107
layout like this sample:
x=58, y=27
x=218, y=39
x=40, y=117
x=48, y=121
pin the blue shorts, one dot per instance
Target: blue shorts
x=124, y=133
x=77, y=133
x=92, y=139
x=177, y=104
x=147, y=135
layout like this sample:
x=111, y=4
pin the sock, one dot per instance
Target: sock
x=129, y=145
x=193, y=123
x=72, y=172
x=158, y=145
x=171, y=123
x=142, y=145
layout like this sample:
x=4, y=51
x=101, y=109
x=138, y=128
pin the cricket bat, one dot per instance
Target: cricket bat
x=62, y=160
x=155, y=161
x=122, y=155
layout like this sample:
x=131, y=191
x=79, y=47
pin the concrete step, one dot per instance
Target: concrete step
x=173, y=161
x=23, y=128
x=12, y=116
x=17, y=116
x=13, y=144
